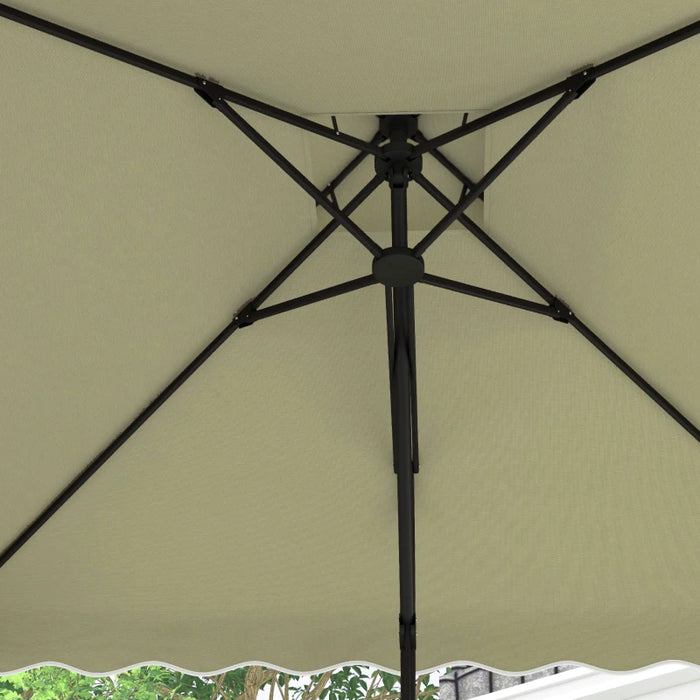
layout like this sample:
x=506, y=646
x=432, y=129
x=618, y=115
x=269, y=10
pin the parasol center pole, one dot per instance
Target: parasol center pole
x=399, y=268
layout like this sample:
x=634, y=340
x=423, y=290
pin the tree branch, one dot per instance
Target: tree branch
x=370, y=690
x=255, y=678
x=316, y=691
x=217, y=686
x=166, y=692
x=395, y=696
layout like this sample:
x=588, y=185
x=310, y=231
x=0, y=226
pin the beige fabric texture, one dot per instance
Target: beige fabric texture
x=253, y=518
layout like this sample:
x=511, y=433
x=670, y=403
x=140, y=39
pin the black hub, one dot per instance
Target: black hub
x=397, y=161
x=398, y=267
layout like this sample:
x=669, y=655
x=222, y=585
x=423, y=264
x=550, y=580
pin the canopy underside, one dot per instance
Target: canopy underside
x=254, y=516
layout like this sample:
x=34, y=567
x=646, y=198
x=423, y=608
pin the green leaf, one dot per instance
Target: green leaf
x=388, y=679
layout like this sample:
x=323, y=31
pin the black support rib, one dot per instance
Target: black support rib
x=534, y=284
x=484, y=238
x=399, y=300
x=330, y=188
x=312, y=298
x=317, y=240
x=647, y=388
x=651, y=47
x=540, y=125
x=113, y=446
x=245, y=317
x=481, y=293
x=178, y=76
x=264, y=145
x=558, y=88
x=448, y=164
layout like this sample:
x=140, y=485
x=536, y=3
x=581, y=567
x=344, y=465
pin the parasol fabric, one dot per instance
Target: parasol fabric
x=253, y=515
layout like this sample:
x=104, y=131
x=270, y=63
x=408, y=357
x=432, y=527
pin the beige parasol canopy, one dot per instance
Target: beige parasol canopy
x=254, y=516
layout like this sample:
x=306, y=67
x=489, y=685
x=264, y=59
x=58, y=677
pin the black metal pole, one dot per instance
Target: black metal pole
x=401, y=380
x=540, y=125
x=484, y=238
x=298, y=177
x=406, y=521
x=178, y=76
x=481, y=293
x=562, y=86
x=113, y=446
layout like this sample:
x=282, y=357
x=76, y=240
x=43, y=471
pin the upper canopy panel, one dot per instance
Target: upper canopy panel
x=369, y=56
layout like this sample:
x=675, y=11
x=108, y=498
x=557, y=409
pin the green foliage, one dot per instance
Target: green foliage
x=389, y=680
x=46, y=683
x=160, y=683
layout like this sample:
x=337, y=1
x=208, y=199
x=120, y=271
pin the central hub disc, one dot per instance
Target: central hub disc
x=398, y=267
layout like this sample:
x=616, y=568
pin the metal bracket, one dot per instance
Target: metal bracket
x=209, y=90
x=397, y=164
x=584, y=80
x=244, y=315
x=562, y=312
x=331, y=196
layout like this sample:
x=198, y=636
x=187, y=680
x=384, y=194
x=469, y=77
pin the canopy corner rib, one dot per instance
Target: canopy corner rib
x=686, y=32
x=178, y=76
x=570, y=317
x=89, y=471
x=399, y=293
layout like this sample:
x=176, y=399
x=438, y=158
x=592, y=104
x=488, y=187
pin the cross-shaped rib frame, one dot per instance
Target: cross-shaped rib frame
x=399, y=300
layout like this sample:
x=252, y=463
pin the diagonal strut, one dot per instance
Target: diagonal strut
x=247, y=315
x=179, y=76
x=261, y=142
x=543, y=122
x=557, y=309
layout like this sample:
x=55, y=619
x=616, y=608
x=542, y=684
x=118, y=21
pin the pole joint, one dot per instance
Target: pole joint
x=397, y=163
x=398, y=179
x=407, y=633
x=581, y=80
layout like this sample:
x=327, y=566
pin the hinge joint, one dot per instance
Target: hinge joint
x=245, y=315
x=581, y=80
x=209, y=90
x=562, y=312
